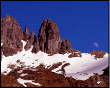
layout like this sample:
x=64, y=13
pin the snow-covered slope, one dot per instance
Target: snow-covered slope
x=80, y=68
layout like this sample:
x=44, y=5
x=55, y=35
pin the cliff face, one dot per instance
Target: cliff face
x=47, y=72
x=11, y=36
x=48, y=39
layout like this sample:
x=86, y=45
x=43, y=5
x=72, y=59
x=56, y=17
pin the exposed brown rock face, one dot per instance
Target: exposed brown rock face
x=49, y=37
x=9, y=81
x=26, y=34
x=48, y=40
x=75, y=54
x=11, y=36
x=65, y=47
x=30, y=41
x=36, y=47
x=98, y=53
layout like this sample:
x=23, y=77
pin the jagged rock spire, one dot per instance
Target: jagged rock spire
x=49, y=40
x=36, y=47
x=65, y=47
x=30, y=41
x=26, y=34
x=49, y=37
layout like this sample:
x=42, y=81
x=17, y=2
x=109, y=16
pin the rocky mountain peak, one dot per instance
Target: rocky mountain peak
x=9, y=18
x=11, y=35
x=10, y=25
x=48, y=22
x=49, y=37
x=26, y=34
x=25, y=69
x=65, y=46
x=36, y=47
x=30, y=41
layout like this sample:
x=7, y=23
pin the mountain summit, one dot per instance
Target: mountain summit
x=46, y=60
x=48, y=39
x=11, y=36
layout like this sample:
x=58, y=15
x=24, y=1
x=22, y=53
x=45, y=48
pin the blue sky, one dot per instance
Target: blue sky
x=84, y=23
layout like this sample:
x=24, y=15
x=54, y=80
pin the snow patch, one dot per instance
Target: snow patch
x=57, y=70
x=83, y=68
x=80, y=68
x=23, y=74
x=20, y=71
x=98, y=82
x=22, y=81
x=1, y=44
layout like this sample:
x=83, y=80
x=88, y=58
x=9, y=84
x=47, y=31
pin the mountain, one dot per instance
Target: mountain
x=46, y=60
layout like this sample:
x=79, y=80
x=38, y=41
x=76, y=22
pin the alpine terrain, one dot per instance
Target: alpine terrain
x=46, y=60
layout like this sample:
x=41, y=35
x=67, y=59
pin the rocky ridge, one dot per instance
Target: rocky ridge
x=11, y=36
x=48, y=41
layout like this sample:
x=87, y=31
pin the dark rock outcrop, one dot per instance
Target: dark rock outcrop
x=98, y=53
x=65, y=47
x=30, y=41
x=26, y=34
x=48, y=40
x=50, y=79
x=9, y=81
x=36, y=47
x=75, y=55
x=49, y=37
x=11, y=36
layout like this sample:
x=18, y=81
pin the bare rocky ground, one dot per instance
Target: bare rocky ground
x=49, y=79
